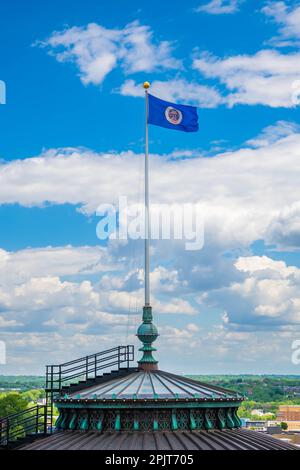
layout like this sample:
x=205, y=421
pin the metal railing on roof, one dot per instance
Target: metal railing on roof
x=32, y=421
x=87, y=367
x=38, y=420
x=83, y=369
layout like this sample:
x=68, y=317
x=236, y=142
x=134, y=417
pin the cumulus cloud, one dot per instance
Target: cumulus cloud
x=266, y=299
x=273, y=133
x=177, y=90
x=47, y=289
x=97, y=50
x=219, y=7
x=248, y=194
x=58, y=261
x=288, y=18
x=48, y=310
x=267, y=77
x=243, y=188
x=284, y=229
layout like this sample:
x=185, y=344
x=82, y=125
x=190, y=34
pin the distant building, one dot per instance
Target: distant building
x=3, y=389
x=293, y=425
x=292, y=391
x=254, y=424
x=41, y=401
x=259, y=412
x=288, y=413
x=274, y=429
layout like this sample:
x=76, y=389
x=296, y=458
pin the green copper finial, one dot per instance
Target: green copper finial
x=147, y=334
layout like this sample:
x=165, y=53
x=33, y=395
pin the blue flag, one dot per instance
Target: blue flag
x=173, y=116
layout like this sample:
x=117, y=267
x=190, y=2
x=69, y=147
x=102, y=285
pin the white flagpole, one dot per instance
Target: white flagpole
x=147, y=213
x=147, y=332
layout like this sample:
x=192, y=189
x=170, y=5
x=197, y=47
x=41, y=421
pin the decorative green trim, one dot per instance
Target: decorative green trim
x=59, y=420
x=236, y=419
x=229, y=421
x=118, y=422
x=72, y=423
x=207, y=422
x=141, y=404
x=135, y=424
x=193, y=424
x=99, y=425
x=221, y=418
x=174, y=420
x=148, y=418
x=84, y=426
x=64, y=424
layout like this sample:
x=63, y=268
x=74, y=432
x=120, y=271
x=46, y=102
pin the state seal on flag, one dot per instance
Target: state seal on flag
x=174, y=116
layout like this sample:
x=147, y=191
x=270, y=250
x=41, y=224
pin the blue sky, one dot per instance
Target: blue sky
x=72, y=138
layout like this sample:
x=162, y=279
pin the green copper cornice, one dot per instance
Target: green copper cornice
x=147, y=420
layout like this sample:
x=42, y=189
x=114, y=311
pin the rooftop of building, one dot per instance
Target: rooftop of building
x=156, y=385
x=237, y=439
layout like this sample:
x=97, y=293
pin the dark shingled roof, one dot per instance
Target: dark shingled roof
x=238, y=439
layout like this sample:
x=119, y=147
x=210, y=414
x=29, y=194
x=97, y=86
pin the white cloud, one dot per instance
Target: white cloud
x=96, y=50
x=256, y=264
x=267, y=77
x=247, y=194
x=43, y=313
x=8, y=323
x=176, y=306
x=284, y=229
x=165, y=280
x=48, y=289
x=177, y=90
x=289, y=20
x=121, y=300
x=47, y=294
x=267, y=297
x=248, y=187
x=49, y=261
x=273, y=133
x=178, y=338
x=219, y=7
x=35, y=291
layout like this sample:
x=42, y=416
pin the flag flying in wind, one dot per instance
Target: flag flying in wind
x=179, y=117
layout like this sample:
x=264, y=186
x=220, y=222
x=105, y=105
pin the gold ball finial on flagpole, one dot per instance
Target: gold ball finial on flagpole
x=146, y=85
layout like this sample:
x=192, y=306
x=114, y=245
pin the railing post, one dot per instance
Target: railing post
x=119, y=357
x=1, y=431
x=36, y=420
x=45, y=419
x=7, y=431
x=127, y=350
x=51, y=396
x=51, y=412
x=86, y=368
x=59, y=380
x=95, y=365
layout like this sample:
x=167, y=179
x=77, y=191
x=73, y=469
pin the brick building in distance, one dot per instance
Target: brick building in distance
x=289, y=413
